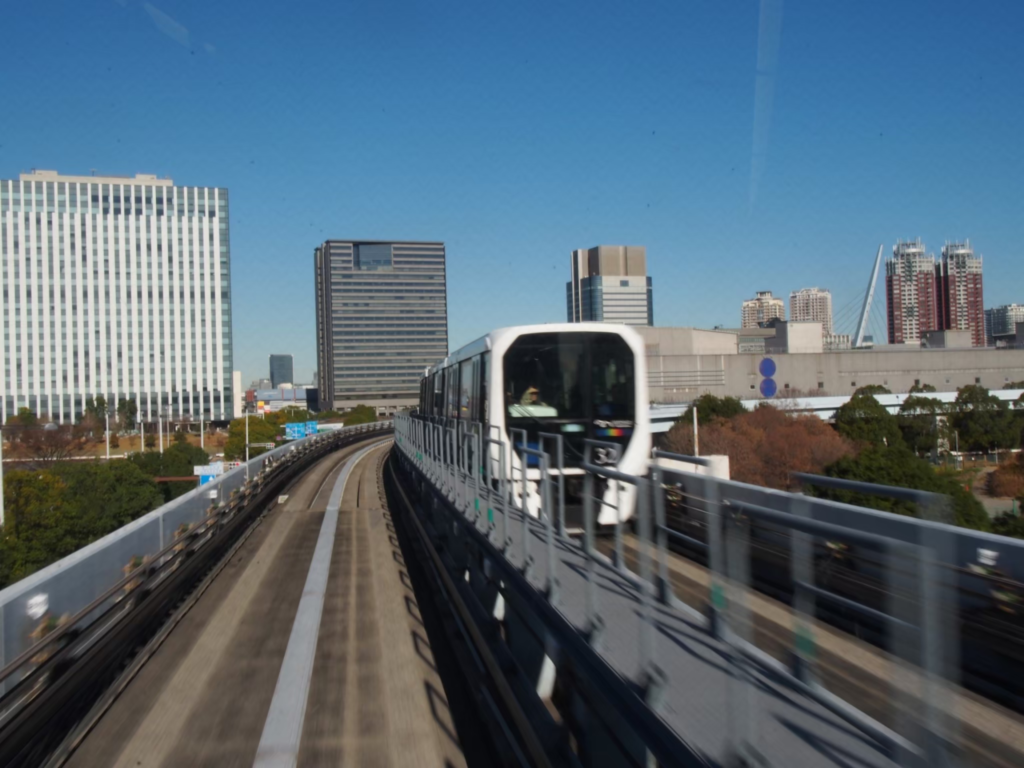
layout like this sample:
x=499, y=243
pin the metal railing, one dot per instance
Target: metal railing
x=917, y=619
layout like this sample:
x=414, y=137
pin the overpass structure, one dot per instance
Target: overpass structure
x=358, y=602
x=663, y=416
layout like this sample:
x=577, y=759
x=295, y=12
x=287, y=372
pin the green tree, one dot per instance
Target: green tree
x=1014, y=385
x=104, y=496
x=982, y=420
x=27, y=418
x=260, y=431
x=872, y=389
x=127, y=413
x=921, y=422
x=361, y=414
x=919, y=388
x=181, y=437
x=176, y=461
x=864, y=420
x=896, y=465
x=35, y=531
x=711, y=407
x=1008, y=524
x=96, y=407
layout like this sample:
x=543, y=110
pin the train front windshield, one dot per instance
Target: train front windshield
x=578, y=385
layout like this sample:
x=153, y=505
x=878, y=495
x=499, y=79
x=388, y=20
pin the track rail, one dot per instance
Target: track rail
x=494, y=692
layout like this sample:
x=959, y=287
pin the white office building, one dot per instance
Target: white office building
x=115, y=286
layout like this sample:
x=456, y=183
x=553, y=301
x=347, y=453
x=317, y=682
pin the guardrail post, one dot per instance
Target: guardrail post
x=802, y=569
x=559, y=451
x=715, y=521
x=620, y=560
x=664, y=585
x=743, y=713
x=901, y=642
x=594, y=623
x=552, y=581
x=652, y=677
x=940, y=649
x=524, y=511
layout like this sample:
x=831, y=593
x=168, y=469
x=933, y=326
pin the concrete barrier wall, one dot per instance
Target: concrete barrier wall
x=70, y=584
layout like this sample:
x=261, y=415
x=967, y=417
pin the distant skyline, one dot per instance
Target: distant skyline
x=749, y=146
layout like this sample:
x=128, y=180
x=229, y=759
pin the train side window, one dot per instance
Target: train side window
x=475, y=391
x=466, y=390
x=451, y=388
x=436, y=389
x=485, y=364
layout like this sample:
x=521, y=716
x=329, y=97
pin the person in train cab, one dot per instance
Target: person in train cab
x=531, y=397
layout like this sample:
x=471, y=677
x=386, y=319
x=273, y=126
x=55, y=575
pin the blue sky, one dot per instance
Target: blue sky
x=517, y=132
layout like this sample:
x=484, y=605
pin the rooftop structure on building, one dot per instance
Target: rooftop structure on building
x=128, y=295
x=381, y=319
x=1001, y=324
x=761, y=309
x=609, y=284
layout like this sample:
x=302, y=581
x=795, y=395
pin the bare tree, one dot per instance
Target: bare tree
x=52, y=442
x=765, y=445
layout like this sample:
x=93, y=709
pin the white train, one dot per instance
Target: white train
x=578, y=380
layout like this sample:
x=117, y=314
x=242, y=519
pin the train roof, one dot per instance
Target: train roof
x=486, y=342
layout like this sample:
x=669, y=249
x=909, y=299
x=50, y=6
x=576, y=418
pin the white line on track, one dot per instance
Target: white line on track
x=282, y=731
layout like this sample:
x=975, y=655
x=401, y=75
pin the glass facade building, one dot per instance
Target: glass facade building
x=381, y=320
x=610, y=285
x=115, y=286
x=281, y=370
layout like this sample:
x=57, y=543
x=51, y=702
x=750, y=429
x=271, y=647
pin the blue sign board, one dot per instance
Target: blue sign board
x=311, y=428
x=295, y=431
x=768, y=387
x=767, y=367
x=204, y=479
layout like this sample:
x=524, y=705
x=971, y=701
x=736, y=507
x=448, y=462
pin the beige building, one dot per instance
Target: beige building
x=812, y=305
x=762, y=308
x=683, y=363
x=609, y=284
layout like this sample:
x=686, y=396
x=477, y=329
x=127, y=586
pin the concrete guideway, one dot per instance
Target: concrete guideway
x=859, y=672
x=205, y=695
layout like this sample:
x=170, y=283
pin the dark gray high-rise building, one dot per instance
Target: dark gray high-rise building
x=381, y=319
x=281, y=371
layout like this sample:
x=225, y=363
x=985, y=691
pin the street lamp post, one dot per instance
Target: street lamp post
x=107, y=415
x=160, y=429
x=1, y=476
x=142, y=435
x=202, y=435
x=247, y=446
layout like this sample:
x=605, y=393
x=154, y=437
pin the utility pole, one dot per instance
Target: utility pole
x=1, y=475
x=142, y=436
x=202, y=435
x=247, y=446
x=160, y=429
x=696, y=429
x=107, y=414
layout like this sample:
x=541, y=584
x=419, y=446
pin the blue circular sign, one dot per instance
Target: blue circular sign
x=767, y=367
x=768, y=388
